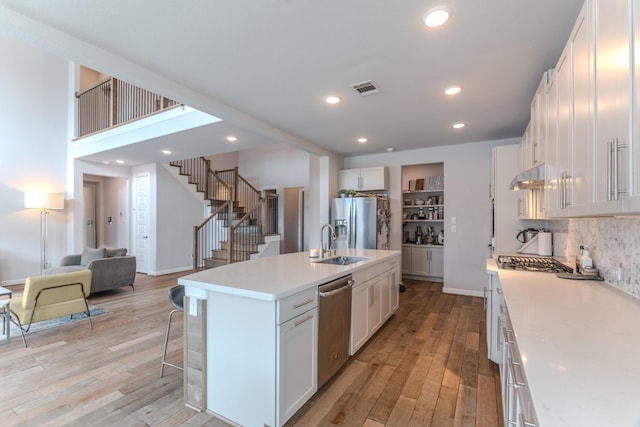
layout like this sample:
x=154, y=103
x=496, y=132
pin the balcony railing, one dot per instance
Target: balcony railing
x=113, y=102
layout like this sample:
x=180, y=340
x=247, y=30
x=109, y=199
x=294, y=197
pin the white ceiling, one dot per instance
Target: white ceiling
x=264, y=67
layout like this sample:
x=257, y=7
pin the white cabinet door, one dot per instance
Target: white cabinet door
x=297, y=363
x=420, y=261
x=573, y=143
x=563, y=148
x=385, y=295
x=365, y=179
x=375, y=178
x=407, y=255
x=551, y=149
x=436, y=262
x=580, y=179
x=612, y=105
x=349, y=179
x=394, y=290
x=375, y=305
x=359, y=317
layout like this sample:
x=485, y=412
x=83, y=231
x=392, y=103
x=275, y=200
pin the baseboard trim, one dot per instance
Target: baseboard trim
x=466, y=292
x=170, y=271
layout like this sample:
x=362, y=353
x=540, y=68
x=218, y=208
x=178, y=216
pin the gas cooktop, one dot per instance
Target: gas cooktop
x=532, y=263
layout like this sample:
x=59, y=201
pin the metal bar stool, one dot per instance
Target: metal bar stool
x=176, y=297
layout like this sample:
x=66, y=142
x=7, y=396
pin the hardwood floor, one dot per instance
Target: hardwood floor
x=426, y=367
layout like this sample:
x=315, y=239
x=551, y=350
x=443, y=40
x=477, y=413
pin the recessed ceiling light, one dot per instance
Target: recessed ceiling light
x=333, y=99
x=120, y=161
x=458, y=125
x=106, y=162
x=391, y=149
x=453, y=90
x=437, y=16
x=232, y=138
x=166, y=152
x=362, y=140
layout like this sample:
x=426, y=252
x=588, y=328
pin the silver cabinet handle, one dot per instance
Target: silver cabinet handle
x=484, y=300
x=503, y=310
x=615, y=168
x=302, y=304
x=301, y=321
x=609, y=170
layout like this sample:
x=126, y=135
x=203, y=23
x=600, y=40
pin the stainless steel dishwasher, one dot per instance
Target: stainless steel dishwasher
x=334, y=327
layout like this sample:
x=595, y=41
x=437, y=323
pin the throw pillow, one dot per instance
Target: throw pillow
x=116, y=252
x=89, y=254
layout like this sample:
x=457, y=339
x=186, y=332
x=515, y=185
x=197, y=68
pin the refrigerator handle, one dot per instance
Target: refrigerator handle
x=355, y=225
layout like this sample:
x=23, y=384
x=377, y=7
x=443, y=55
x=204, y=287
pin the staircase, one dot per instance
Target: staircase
x=242, y=224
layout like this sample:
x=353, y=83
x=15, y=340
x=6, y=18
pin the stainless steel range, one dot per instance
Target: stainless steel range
x=532, y=263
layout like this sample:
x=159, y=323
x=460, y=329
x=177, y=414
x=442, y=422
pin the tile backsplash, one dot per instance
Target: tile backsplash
x=614, y=243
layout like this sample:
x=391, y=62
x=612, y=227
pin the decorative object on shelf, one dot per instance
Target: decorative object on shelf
x=419, y=202
x=347, y=192
x=412, y=185
x=419, y=184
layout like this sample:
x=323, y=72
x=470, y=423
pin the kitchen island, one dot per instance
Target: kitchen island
x=251, y=338
x=579, y=343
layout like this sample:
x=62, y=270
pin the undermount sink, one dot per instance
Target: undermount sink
x=341, y=260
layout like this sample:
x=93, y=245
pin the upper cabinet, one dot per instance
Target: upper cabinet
x=364, y=179
x=592, y=115
x=612, y=105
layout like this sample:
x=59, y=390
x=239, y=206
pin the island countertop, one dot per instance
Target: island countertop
x=276, y=277
x=579, y=342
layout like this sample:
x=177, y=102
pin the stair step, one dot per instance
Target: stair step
x=214, y=262
x=237, y=255
x=243, y=246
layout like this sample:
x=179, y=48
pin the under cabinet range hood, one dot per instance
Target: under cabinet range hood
x=529, y=179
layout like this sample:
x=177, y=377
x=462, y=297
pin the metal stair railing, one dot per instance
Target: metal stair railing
x=226, y=190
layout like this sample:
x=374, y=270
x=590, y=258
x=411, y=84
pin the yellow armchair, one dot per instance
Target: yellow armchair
x=49, y=297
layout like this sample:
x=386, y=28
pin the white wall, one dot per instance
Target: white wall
x=177, y=213
x=467, y=174
x=33, y=155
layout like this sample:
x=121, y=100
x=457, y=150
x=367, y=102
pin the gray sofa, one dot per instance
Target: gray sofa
x=111, y=268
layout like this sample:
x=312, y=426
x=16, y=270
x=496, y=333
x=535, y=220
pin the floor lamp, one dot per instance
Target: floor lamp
x=44, y=202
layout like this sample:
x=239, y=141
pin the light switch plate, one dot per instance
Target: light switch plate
x=453, y=228
x=453, y=220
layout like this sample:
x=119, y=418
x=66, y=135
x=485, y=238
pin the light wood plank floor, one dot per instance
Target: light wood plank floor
x=425, y=367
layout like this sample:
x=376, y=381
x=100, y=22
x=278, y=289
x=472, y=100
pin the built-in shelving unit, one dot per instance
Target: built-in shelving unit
x=423, y=213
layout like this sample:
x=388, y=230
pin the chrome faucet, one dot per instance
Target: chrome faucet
x=323, y=251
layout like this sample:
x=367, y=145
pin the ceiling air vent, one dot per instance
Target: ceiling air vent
x=366, y=88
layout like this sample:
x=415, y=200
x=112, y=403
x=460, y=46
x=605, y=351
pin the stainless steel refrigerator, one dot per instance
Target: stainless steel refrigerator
x=361, y=222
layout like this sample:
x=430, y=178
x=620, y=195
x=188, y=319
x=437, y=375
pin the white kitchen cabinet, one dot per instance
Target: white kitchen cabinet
x=424, y=261
x=375, y=297
x=551, y=149
x=364, y=179
x=612, y=104
x=494, y=299
x=420, y=259
x=297, y=362
x=572, y=82
x=538, y=125
x=264, y=351
x=375, y=304
x=407, y=264
x=359, y=317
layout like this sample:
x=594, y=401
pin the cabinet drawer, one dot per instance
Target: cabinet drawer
x=294, y=305
x=362, y=276
x=391, y=264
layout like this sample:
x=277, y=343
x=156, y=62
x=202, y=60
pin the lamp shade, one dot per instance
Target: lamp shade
x=40, y=200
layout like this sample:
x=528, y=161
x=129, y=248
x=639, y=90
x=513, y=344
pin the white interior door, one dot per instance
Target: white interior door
x=141, y=221
x=89, y=197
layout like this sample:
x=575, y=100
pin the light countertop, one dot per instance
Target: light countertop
x=273, y=278
x=580, y=345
